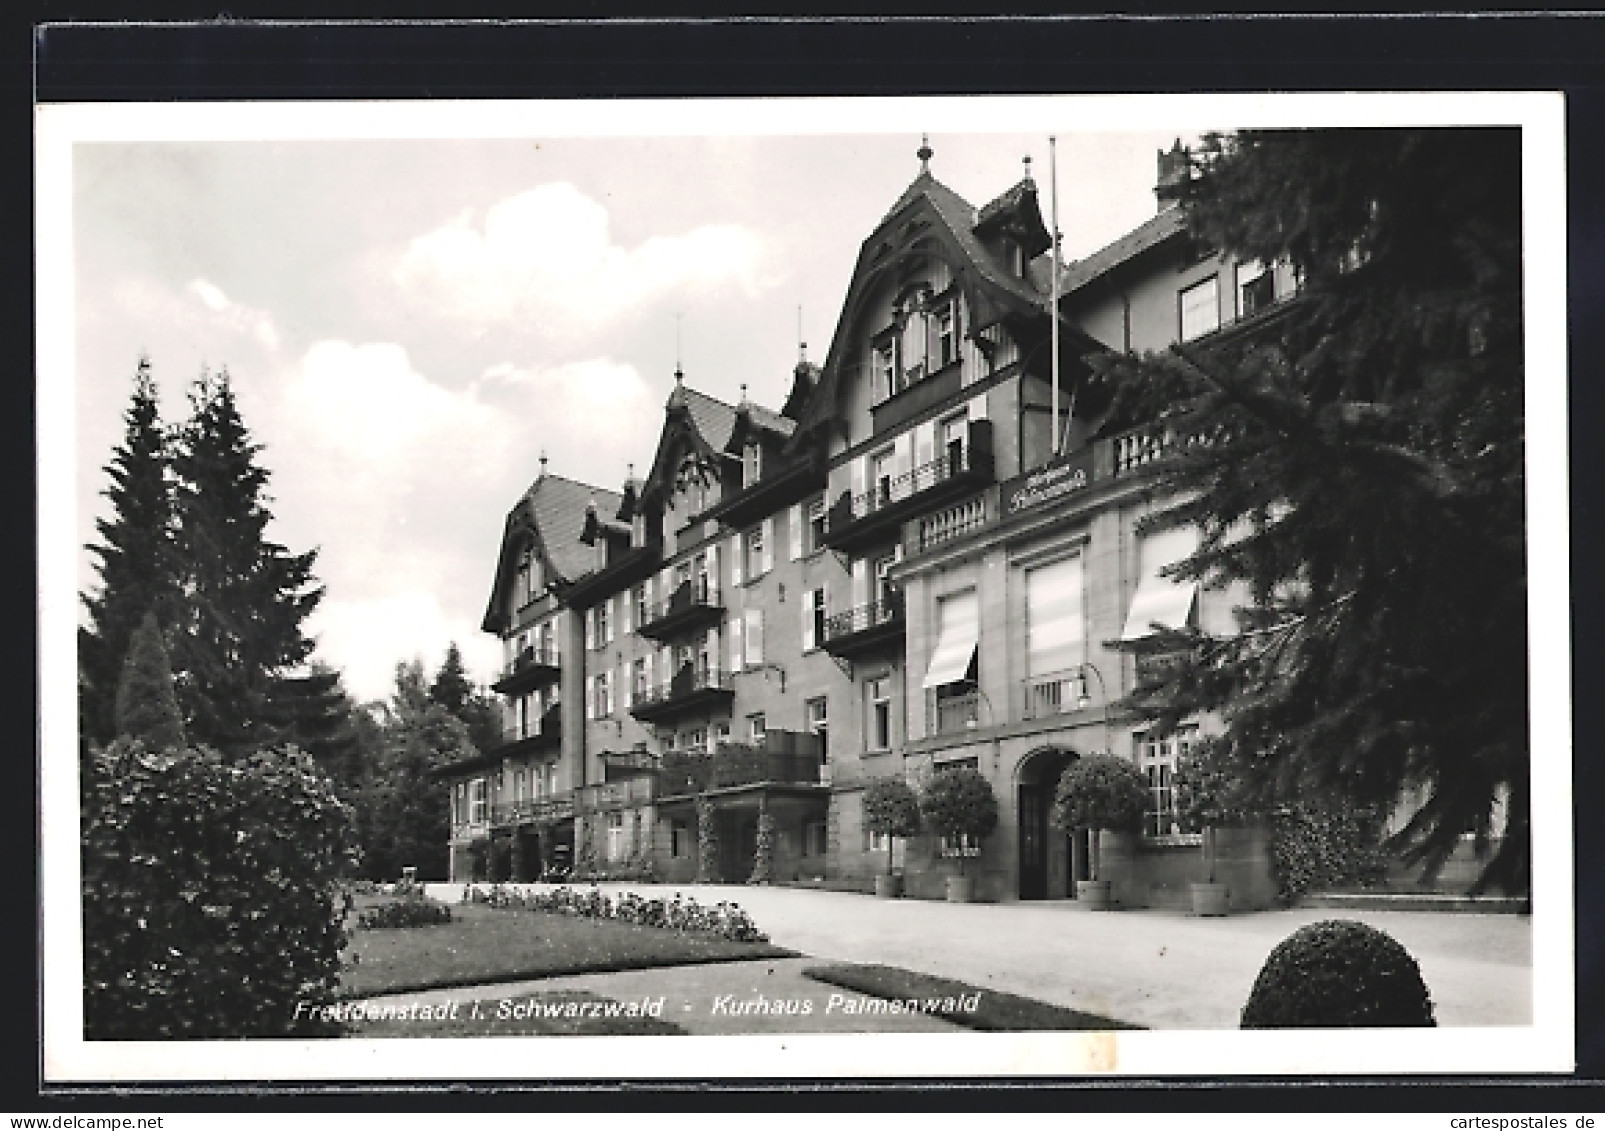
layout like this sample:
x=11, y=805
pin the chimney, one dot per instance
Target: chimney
x=1175, y=167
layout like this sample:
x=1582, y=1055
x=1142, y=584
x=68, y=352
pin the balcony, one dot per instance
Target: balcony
x=951, y=522
x=545, y=733
x=620, y=765
x=775, y=489
x=635, y=564
x=856, y=522
x=533, y=810
x=610, y=796
x=689, y=692
x=865, y=629
x=1053, y=693
x=530, y=669
x=1132, y=451
x=784, y=758
x=694, y=605
x=958, y=713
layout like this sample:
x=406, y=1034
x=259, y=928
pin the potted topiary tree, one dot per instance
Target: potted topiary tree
x=1210, y=794
x=1099, y=793
x=960, y=806
x=890, y=810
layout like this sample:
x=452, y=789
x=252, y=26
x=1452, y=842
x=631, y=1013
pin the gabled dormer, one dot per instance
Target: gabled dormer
x=770, y=474
x=693, y=466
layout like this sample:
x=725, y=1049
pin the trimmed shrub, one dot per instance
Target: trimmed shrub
x=1100, y=791
x=1338, y=974
x=891, y=808
x=1318, y=847
x=959, y=803
x=213, y=894
x=763, y=860
x=409, y=911
x=707, y=843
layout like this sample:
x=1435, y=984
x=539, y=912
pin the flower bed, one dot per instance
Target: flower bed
x=681, y=913
x=411, y=910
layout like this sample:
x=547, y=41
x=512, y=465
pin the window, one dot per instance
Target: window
x=814, y=839
x=816, y=524
x=955, y=429
x=604, y=628
x=755, y=729
x=751, y=464
x=962, y=845
x=1200, y=309
x=476, y=801
x=882, y=465
x=1055, y=638
x=1159, y=600
x=1256, y=288
x=638, y=598
x=914, y=344
x=600, y=707
x=721, y=733
x=884, y=589
x=816, y=713
x=704, y=587
x=696, y=738
x=618, y=845
x=754, y=638
x=457, y=804
x=953, y=659
x=1156, y=757
x=638, y=680
x=679, y=839
x=814, y=607
x=946, y=325
x=880, y=713
x=882, y=370
x=755, y=552
x=518, y=786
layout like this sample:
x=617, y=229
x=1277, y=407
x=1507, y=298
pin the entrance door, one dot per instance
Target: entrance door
x=1033, y=842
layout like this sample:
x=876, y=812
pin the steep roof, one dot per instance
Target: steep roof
x=551, y=514
x=1149, y=234
x=713, y=419
x=959, y=217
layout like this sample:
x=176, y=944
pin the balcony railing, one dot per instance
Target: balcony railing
x=957, y=713
x=1052, y=693
x=784, y=758
x=694, y=604
x=689, y=689
x=606, y=796
x=533, y=810
x=541, y=732
x=951, y=522
x=857, y=520
x=1131, y=451
x=532, y=667
x=864, y=627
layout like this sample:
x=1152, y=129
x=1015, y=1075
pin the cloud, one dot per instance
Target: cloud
x=546, y=258
x=244, y=320
x=590, y=417
x=367, y=637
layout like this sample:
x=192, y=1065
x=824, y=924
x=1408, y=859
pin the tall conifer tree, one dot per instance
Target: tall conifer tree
x=1362, y=477
x=245, y=595
x=135, y=558
x=146, y=706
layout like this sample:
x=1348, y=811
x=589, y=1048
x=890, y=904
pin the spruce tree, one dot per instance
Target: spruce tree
x=1361, y=477
x=146, y=707
x=135, y=558
x=245, y=595
x=453, y=690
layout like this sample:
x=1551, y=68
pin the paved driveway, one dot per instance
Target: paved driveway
x=1156, y=968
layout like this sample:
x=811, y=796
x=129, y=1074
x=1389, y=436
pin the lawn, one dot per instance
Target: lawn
x=483, y=945
x=558, y=1013
x=959, y=1002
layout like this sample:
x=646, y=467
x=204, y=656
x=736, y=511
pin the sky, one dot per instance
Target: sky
x=410, y=324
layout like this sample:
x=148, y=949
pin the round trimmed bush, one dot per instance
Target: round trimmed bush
x=1338, y=974
x=1100, y=791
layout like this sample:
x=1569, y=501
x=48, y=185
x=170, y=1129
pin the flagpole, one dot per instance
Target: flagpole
x=1053, y=191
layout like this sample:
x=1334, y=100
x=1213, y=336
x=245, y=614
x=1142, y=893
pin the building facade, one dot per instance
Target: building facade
x=918, y=561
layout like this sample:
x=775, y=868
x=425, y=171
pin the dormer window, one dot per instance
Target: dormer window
x=945, y=330
x=915, y=346
x=751, y=464
x=883, y=371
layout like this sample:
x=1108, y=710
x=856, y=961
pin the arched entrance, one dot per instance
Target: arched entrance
x=1049, y=864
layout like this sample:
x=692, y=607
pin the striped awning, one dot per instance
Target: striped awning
x=958, y=625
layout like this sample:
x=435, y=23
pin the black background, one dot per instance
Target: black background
x=95, y=52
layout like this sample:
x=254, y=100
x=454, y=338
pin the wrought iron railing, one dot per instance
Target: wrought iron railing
x=683, y=684
x=530, y=656
x=957, y=713
x=539, y=810
x=885, y=611
x=950, y=464
x=699, y=594
x=1051, y=693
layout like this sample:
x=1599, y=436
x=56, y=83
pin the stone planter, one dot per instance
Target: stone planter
x=1094, y=895
x=958, y=889
x=888, y=886
x=1209, y=899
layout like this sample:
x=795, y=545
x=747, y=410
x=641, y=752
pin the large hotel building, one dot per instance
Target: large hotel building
x=895, y=571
